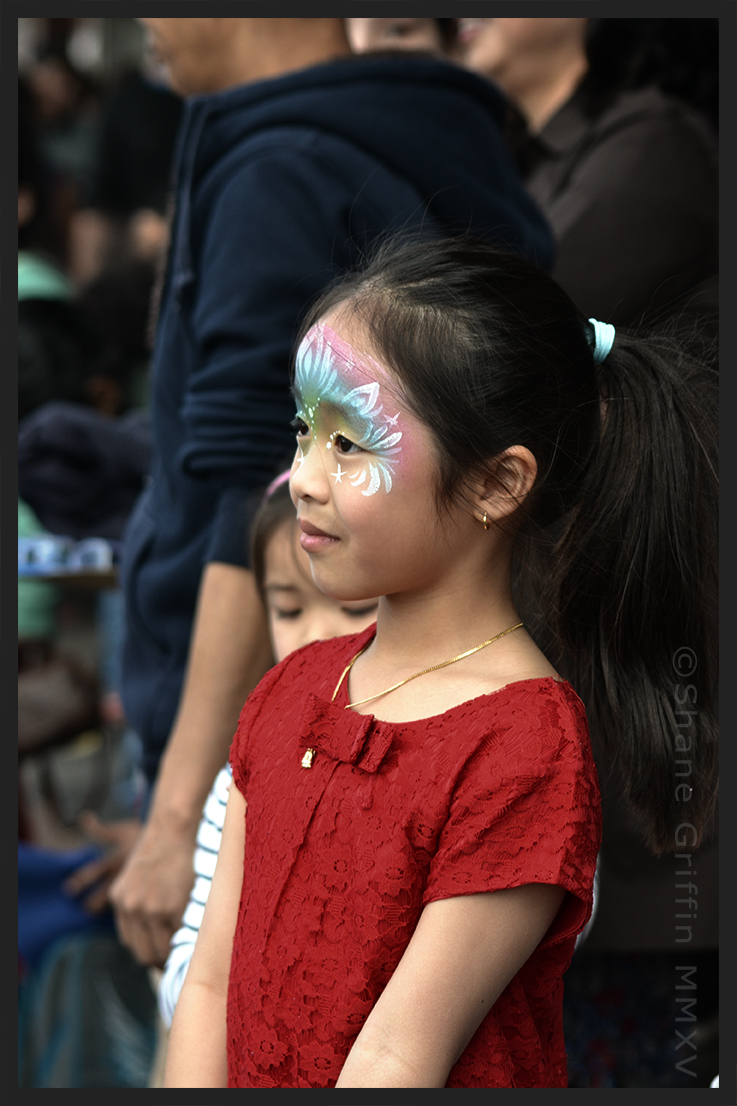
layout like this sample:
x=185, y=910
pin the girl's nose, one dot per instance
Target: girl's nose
x=309, y=477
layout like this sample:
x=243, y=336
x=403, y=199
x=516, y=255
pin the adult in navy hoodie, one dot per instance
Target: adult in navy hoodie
x=280, y=182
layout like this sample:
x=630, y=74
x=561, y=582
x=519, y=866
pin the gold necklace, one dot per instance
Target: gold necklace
x=433, y=668
x=310, y=753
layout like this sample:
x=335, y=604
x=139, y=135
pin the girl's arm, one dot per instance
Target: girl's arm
x=463, y=953
x=196, y=1052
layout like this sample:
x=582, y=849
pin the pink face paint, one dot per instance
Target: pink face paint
x=327, y=368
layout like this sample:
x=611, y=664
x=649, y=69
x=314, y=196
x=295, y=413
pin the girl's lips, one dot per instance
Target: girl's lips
x=313, y=539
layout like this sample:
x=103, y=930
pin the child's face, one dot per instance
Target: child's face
x=298, y=612
x=365, y=473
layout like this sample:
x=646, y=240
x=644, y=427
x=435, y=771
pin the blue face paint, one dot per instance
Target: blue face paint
x=327, y=395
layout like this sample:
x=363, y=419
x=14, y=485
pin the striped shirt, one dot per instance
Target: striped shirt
x=209, y=835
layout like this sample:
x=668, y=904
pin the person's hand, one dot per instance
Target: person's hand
x=119, y=838
x=151, y=892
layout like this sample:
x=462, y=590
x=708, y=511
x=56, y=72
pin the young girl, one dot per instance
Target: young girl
x=423, y=810
x=298, y=613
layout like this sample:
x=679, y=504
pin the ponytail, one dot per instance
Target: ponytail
x=615, y=546
x=632, y=585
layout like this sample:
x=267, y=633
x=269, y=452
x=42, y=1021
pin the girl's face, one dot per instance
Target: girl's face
x=365, y=473
x=298, y=613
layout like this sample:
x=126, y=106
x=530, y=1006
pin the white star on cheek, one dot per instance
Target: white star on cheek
x=301, y=459
x=392, y=419
x=339, y=474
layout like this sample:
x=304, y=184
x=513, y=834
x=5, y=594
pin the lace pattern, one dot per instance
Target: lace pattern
x=342, y=857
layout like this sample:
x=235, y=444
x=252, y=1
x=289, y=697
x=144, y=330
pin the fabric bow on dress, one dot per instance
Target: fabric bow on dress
x=357, y=739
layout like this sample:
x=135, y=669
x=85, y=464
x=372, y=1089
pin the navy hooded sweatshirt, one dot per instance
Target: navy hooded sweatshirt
x=279, y=185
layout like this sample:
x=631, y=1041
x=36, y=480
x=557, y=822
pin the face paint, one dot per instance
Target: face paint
x=326, y=390
x=359, y=437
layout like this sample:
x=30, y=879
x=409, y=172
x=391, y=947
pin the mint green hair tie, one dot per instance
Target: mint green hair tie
x=603, y=339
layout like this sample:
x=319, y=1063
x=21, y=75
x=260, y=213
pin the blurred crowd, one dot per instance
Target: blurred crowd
x=612, y=128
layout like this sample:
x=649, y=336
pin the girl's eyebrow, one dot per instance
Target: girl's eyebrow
x=281, y=587
x=335, y=408
x=338, y=407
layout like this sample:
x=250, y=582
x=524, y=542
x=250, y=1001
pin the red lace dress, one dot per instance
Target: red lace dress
x=342, y=857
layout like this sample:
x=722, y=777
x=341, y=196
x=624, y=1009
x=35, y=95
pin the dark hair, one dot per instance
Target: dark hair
x=55, y=354
x=681, y=56
x=273, y=512
x=620, y=524
x=115, y=306
x=448, y=31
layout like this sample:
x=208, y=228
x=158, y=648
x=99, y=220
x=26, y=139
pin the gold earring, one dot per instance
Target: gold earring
x=485, y=522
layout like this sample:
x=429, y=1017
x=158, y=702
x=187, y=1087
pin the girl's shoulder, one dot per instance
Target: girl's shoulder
x=317, y=663
x=318, y=654
x=549, y=701
x=545, y=702
x=537, y=696
x=530, y=724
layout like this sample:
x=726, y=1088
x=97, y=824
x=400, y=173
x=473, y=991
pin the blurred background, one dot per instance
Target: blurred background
x=97, y=130
x=96, y=133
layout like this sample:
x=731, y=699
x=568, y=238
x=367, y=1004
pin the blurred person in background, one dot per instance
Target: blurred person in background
x=83, y=451
x=66, y=107
x=123, y=223
x=87, y=1012
x=39, y=225
x=292, y=156
x=435, y=36
x=49, y=330
x=620, y=152
x=55, y=356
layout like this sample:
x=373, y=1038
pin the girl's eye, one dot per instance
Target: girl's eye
x=287, y=614
x=300, y=427
x=344, y=445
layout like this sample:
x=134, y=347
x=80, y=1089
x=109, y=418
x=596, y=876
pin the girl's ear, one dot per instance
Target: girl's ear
x=506, y=485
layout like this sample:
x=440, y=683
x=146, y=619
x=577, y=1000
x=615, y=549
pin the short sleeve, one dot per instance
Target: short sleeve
x=526, y=809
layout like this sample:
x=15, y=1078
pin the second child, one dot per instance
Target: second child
x=297, y=613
